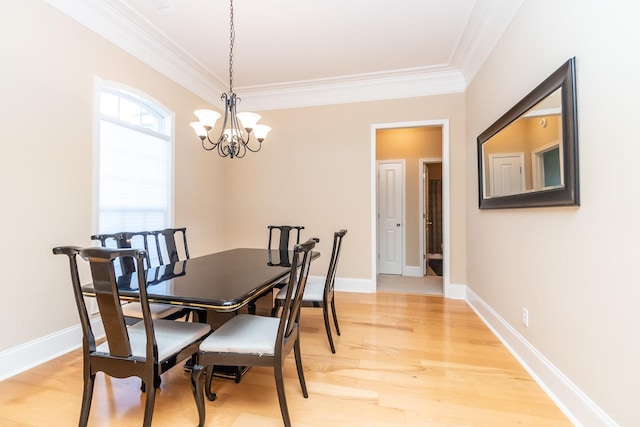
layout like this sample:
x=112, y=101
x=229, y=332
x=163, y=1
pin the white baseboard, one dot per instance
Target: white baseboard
x=456, y=291
x=355, y=285
x=33, y=353
x=412, y=271
x=576, y=405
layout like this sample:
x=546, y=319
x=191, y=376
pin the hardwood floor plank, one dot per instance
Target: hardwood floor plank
x=401, y=361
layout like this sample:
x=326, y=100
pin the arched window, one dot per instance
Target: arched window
x=134, y=161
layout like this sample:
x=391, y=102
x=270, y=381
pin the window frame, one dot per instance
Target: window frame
x=151, y=104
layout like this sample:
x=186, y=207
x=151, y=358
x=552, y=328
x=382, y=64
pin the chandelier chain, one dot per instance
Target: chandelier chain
x=232, y=37
x=237, y=128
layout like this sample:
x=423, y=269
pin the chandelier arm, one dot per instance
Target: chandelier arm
x=252, y=150
x=222, y=152
x=210, y=146
x=226, y=101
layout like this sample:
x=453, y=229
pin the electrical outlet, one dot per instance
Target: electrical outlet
x=525, y=317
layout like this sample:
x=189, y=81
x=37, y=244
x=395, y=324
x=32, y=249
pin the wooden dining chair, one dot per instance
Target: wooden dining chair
x=168, y=247
x=125, y=240
x=283, y=235
x=319, y=291
x=252, y=340
x=140, y=240
x=146, y=349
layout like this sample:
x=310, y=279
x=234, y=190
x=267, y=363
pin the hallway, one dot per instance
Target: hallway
x=425, y=285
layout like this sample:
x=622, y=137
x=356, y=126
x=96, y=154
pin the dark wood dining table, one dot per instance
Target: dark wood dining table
x=223, y=281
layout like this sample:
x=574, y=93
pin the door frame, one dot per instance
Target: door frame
x=403, y=234
x=444, y=124
x=423, y=210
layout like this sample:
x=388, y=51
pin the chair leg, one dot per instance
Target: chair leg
x=251, y=307
x=207, y=384
x=148, y=407
x=335, y=317
x=197, y=388
x=282, y=399
x=87, y=394
x=298, y=357
x=327, y=326
x=276, y=307
x=156, y=384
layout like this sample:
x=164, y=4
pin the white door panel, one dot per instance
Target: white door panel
x=390, y=213
x=506, y=174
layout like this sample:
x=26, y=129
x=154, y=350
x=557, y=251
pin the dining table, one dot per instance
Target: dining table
x=223, y=281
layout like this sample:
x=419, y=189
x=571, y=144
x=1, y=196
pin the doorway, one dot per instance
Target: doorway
x=415, y=267
x=431, y=244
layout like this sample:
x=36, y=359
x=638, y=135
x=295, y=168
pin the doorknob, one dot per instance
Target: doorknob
x=398, y=225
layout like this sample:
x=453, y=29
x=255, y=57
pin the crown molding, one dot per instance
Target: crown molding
x=488, y=21
x=121, y=25
x=360, y=88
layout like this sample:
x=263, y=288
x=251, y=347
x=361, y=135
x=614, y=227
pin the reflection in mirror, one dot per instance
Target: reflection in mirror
x=529, y=157
x=527, y=154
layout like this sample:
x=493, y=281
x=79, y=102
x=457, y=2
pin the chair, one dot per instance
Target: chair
x=130, y=239
x=170, y=247
x=285, y=232
x=124, y=240
x=284, y=242
x=146, y=349
x=319, y=291
x=251, y=340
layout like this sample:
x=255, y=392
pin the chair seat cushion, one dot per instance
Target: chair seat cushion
x=158, y=310
x=244, y=334
x=313, y=291
x=171, y=337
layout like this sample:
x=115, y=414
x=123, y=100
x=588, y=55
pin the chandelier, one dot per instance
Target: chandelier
x=235, y=135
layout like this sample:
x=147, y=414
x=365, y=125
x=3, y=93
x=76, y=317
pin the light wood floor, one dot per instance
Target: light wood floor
x=402, y=360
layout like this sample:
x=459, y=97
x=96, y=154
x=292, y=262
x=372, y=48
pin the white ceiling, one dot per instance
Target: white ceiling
x=304, y=52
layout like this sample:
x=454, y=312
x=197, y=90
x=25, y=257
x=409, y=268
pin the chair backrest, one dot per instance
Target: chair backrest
x=127, y=240
x=284, y=238
x=88, y=339
x=105, y=283
x=333, y=262
x=297, y=282
x=167, y=245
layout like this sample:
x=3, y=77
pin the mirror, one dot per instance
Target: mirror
x=529, y=156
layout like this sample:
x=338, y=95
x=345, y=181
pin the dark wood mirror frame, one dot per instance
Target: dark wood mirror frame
x=567, y=194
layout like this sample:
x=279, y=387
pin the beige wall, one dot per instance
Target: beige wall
x=46, y=160
x=410, y=144
x=315, y=170
x=574, y=268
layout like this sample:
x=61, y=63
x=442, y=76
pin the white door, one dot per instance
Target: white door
x=390, y=214
x=507, y=174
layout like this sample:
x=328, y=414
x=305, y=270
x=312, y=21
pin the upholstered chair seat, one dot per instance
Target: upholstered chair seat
x=158, y=310
x=171, y=337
